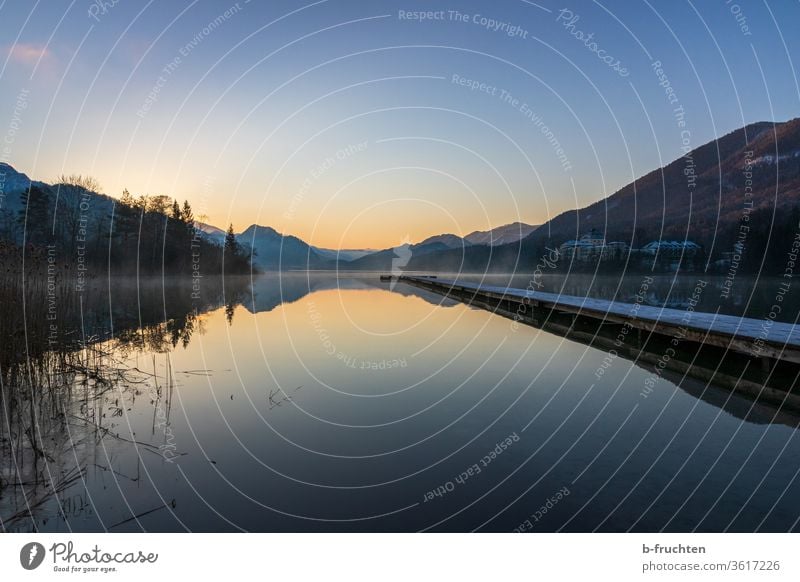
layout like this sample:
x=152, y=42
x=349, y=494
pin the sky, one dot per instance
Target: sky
x=359, y=124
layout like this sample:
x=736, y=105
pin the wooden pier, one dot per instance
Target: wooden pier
x=760, y=357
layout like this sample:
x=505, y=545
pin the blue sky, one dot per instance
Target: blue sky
x=349, y=123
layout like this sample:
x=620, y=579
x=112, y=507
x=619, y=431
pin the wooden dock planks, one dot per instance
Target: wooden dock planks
x=754, y=337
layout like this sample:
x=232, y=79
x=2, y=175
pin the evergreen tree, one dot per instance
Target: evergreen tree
x=231, y=244
x=188, y=220
x=235, y=260
x=176, y=211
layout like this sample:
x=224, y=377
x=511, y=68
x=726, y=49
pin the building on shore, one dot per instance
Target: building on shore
x=672, y=249
x=592, y=246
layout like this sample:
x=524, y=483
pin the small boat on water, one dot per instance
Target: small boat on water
x=386, y=277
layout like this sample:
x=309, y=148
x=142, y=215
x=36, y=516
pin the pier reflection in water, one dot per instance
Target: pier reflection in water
x=759, y=358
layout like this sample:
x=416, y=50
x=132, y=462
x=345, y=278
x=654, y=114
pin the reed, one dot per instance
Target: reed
x=65, y=368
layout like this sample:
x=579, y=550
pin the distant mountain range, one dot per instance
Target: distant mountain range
x=403, y=255
x=702, y=196
x=275, y=251
x=501, y=235
x=705, y=191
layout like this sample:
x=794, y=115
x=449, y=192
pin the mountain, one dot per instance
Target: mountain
x=210, y=232
x=449, y=241
x=343, y=255
x=12, y=184
x=275, y=251
x=399, y=257
x=449, y=248
x=699, y=192
x=501, y=235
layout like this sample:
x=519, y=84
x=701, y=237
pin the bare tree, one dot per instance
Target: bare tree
x=79, y=181
x=67, y=212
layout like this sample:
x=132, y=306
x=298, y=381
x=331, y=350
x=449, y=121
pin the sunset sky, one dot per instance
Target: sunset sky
x=352, y=125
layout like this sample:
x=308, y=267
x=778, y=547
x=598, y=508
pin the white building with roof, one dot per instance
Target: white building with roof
x=672, y=248
x=592, y=246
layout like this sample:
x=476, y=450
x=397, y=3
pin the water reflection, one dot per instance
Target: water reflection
x=314, y=402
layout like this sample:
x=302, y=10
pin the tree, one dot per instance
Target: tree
x=79, y=181
x=127, y=215
x=188, y=220
x=231, y=244
x=188, y=215
x=176, y=211
x=71, y=207
x=158, y=204
x=235, y=259
x=127, y=199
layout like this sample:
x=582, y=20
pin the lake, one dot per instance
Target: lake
x=317, y=402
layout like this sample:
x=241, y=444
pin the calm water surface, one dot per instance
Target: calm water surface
x=342, y=404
